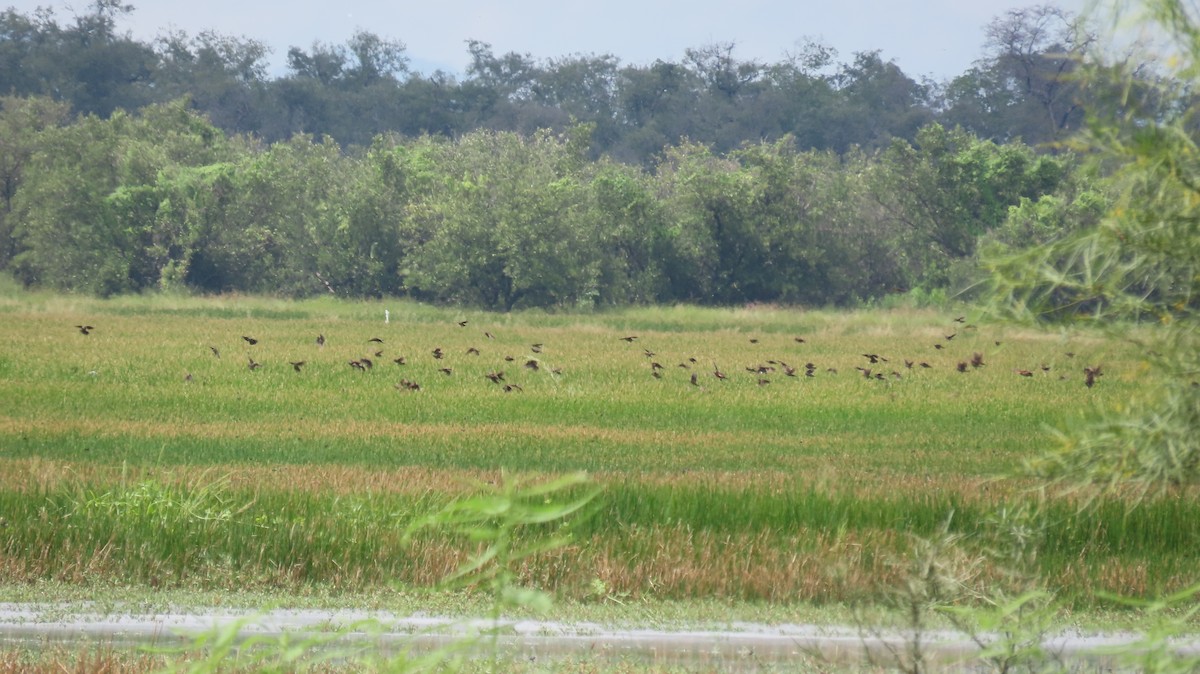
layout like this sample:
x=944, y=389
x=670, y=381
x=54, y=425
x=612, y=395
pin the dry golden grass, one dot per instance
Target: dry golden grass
x=37, y=474
x=269, y=431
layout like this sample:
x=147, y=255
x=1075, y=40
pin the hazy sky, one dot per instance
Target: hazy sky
x=939, y=38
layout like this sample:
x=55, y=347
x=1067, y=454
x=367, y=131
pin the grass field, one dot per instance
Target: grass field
x=136, y=455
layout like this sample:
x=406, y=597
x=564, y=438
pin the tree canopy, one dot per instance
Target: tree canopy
x=358, y=90
x=574, y=181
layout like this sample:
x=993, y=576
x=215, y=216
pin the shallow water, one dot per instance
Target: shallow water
x=738, y=647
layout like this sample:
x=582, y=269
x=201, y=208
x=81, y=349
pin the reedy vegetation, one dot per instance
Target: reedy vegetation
x=1139, y=262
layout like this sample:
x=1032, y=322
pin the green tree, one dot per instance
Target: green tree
x=858, y=247
x=582, y=89
x=785, y=194
x=505, y=223
x=88, y=63
x=801, y=98
x=349, y=92
x=195, y=202
x=99, y=69
x=635, y=249
x=225, y=77
x=511, y=76
x=431, y=104
x=877, y=102
x=734, y=105
x=87, y=214
x=376, y=59
x=285, y=221
x=365, y=253
x=25, y=56
x=719, y=252
x=21, y=122
x=1048, y=218
x=654, y=106
x=949, y=188
x=1024, y=87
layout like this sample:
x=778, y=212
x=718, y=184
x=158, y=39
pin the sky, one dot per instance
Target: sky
x=935, y=38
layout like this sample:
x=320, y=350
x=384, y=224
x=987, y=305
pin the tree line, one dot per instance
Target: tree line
x=358, y=90
x=528, y=192
x=164, y=199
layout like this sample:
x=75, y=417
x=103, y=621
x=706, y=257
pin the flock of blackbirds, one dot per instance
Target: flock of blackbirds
x=770, y=367
x=764, y=371
x=376, y=355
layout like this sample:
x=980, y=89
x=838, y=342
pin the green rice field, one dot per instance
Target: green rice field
x=164, y=449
